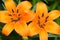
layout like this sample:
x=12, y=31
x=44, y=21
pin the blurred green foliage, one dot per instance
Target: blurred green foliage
x=52, y=5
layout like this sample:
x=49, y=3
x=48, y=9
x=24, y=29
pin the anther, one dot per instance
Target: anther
x=47, y=17
x=44, y=25
x=38, y=22
x=14, y=20
x=18, y=18
x=18, y=14
x=38, y=17
x=46, y=20
x=41, y=26
x=10, y=15
x=17, y=10
x=12, y=10
x=29, y=22
x=42, y=14
x=11, y=18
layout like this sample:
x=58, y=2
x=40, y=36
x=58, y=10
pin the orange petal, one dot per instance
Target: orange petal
x=33, y=28
x=10, y=5
x=24, y=5
x=27, y=16
x=41, y=9
x=4, y=17
x=43, y=35
x=52, y=27
x=21, y=28
x=7, y=29
x=53, y=14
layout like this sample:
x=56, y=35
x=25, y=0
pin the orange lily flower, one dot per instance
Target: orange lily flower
x=16, y=17
x=43, y=22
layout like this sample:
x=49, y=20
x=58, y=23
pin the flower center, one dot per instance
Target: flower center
x=39, y=21
x=14, y=16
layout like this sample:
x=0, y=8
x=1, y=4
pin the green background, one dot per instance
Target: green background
x=52, y=5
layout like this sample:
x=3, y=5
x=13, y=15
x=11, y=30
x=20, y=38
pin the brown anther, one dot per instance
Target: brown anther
x=38, y=17
x=14, y=20
x=17, y=10
x=11, y=18
x=38, y=22
x=18, y=14
x=10, y=15
x=42, y=14
x=12, y=10
x=46, y=20
x=29, y=22
x=47, y=17
x=18, y=18
x=13, y=14
x=41, y=26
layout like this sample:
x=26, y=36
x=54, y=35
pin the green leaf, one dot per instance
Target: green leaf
x=53, y=6
x=57, y=20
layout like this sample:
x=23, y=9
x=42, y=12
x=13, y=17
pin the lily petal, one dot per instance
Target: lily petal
x=21, y=28
x=33, y=28
x=41, y=9
x=53, y=14
x=10, y=5
x=24, y=7
x=7, y=29
x=43, y=35
x=52, y=27
x=4, y=17
x=28, y=16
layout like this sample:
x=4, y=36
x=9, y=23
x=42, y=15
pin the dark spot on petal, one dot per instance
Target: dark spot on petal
x=42, y=14
x=29, y=22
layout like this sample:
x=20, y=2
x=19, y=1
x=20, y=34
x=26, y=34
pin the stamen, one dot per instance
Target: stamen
x=47, y=17
x=13, y=14
x=17, y=10
x=18, y=18
x=11, y=18
x=41, y=26
x=38, y=22
x=42, y=14
x=18, y=14
x=29, y=22
x=14, y=20
x=10, y=15
x=38, y=17
x=12, y=10
x=46, y=20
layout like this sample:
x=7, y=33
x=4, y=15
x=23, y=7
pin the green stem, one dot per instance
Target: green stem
x=25, y=38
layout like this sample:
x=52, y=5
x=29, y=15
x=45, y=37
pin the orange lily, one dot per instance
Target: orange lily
x=16, y=17
x=43, y=22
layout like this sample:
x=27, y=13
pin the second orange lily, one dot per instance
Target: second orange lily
x=43, y=22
